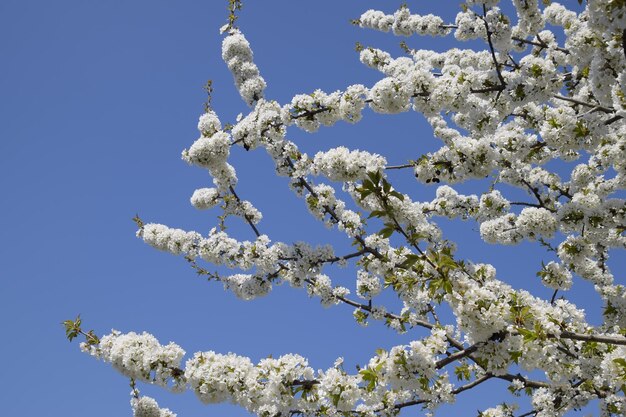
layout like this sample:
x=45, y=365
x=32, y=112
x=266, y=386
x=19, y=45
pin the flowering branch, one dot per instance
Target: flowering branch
x=510, y=137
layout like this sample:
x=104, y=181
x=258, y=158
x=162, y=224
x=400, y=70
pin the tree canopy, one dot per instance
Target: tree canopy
x=533, y=109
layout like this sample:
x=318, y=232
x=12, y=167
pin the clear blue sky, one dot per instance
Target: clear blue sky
x=97, y=100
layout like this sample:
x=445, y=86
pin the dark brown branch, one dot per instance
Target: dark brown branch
x=331, y=212
x=368, y=308
x=330, y=260
x=554, y=296
x=346, y=257
x=400, y=406
x=256, y=231
x=458, y=390
x=400, y=166
x=308, y=384
x=535, y=192
x=610, y=340
x=492, y=49
x=310, y=113
x=539, y=44
x=458, y=355
x=613, y=120
x=566, y=352
x=498, y=88
x=584, y=103
x=528, y=383
x=522, y=203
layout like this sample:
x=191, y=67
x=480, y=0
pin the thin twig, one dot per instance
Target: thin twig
x=492, y=49
x=584, y=103
x=400, y=166
x=459, y=390
x=554, y=296
x=541, y=45
x=256, y=231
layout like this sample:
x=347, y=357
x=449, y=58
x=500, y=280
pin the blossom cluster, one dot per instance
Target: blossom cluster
x=148, y=407
x=402, y=22
x=310, y=111
x=211, y=152
x=237, y=54
x=141, y=357
x=280, y=385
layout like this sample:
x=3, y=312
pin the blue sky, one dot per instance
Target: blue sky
x=98, y=100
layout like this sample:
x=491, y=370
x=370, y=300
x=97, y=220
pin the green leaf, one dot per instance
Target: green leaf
x=370, y=376
x=392, y=281
x=409, y=261
x=424, y=382
x=397, y=195
x=360, y=316
x=92, y=339
x=447, y=262
x=368, y=185
x=72, y=328
x=386, y=186
x=386, y=232
x=365, y=193
x=581, y=130
x=528, y=335
x=621, y=362
x=462, y=372
x=609, y=310
x=515, y=356
x=536, y=70
x=375, y=177
x=377, y=213
x=554, y=123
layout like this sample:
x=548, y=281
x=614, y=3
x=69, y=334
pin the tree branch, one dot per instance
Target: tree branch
x=610, y=340
x=458, y=390
x=540, y=44
x=492, y=49
x=390, y=167
x=256, y=231
x=583, y=103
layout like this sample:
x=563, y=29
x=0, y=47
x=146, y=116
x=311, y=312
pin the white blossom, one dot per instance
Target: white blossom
x=555, y=276
x=533, y=222
x=140, y=356
x=247, y=287
x=148, y=407
x=204, y=198
x=341, y=164
x=367, y=285
x=237, y=54
x=209, y=124
x=390, y=96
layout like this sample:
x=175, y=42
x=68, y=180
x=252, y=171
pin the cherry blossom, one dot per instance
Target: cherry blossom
x=547, y=89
